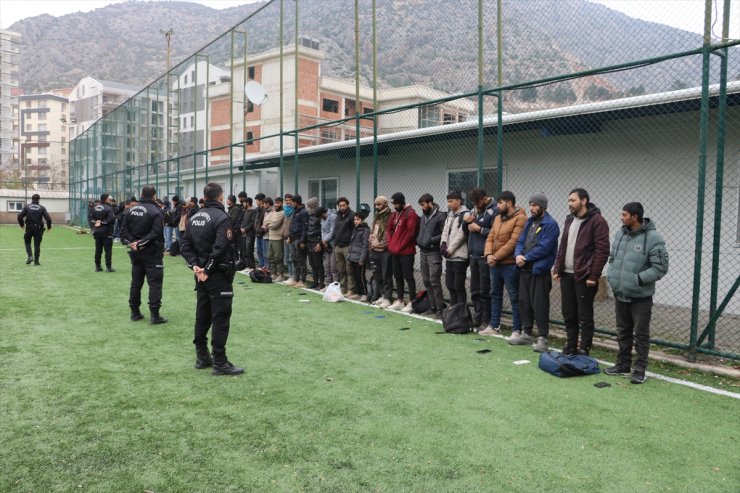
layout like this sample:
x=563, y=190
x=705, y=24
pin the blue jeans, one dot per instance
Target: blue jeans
x=168, y=230
x=505, y=275
x=262, y=251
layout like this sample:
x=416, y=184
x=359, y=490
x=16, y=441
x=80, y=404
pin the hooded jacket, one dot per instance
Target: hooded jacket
x=327, y=226
x=359, y=246
x=483, y=218
x=274, y=223
x=638, y=259
x=430, y=230
x=541, y=258
x=343, y=226
x=455, y=235
x=504, y=235
x=299, y=225
x=401, y=231
x=592, y=246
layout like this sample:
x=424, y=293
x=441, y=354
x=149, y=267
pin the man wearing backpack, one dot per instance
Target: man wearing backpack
x=499, y=253
x=638, y=259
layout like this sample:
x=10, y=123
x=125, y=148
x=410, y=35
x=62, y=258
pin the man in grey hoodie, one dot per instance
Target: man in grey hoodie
x=454, y=248
x=637, y=260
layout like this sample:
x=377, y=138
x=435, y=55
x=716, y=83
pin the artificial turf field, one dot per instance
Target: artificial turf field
x=334, y=399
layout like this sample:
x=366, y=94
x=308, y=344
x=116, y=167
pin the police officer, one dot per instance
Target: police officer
x=141, y=229
x=102, y=220
x=34, y=215
x=208, y=248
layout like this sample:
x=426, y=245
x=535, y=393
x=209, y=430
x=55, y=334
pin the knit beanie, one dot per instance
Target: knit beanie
x=398, y=198
x=539, y=199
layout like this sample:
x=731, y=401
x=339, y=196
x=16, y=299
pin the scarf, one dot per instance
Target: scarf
x=381, y=219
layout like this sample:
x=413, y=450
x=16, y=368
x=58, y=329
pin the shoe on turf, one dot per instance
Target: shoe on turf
x=408, y=308
x=617, y=370
x=490, y=331
x=353, y=297
x=29, y=260
x=385, y=304
x=540, y=346
x=638, y=376
x=513, y=339
x=379, y=301
x=226, y=368
x=290, y=282
x=397, y=305
x=98, y=268
x=110, y=269
x=299, y=285
x=136, y=315
x=363, y=298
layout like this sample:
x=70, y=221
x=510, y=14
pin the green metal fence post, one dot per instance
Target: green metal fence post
x=375, y=106
x=282, y=156
x=357, y=105
x=480, y=93
x=295, y=115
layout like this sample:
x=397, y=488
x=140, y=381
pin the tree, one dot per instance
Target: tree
x=562, y=93
x=636, y=91
x=597, y=93
x=528, y=94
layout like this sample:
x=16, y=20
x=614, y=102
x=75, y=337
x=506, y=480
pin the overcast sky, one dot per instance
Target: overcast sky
x=684, y=14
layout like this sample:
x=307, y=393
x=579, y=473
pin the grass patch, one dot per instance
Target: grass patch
x=333, y=399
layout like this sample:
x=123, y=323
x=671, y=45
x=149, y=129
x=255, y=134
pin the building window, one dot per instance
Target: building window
x=330, y=105
x=42, y=151
x=64, y=129
x=43, y=162
x=28, y=104
x=326, y=190
x=250, y=73
x=461, y=117
x=64, y=150
x=64, y=139
x=43, y=103
x=328, y=136
x=428, y=116
x=64, y=106
x=192, y=121
x=15, y=206
x=42, y=127
x=448, y=119
x=349, y=107
x=250, y=138
x=42, y=138
x=466, y=179
x=42, y=115
x=367, y=110
x=250, y=107
x=29, y=116
x=28, y=127
x=185, y=81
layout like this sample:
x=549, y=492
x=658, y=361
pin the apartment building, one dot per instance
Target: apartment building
x=9, y=59
x=44, y=135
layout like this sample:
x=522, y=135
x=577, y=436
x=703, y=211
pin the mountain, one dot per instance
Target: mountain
x=431, y=42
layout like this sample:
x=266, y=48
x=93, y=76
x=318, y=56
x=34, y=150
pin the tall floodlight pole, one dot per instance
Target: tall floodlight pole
x=168, y=37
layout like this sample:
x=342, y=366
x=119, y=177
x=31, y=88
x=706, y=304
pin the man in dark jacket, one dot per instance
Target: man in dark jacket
x=259, y=230
x=638, y=259
x=480, y=221
x=208, y=248
x=583, y=252
x=535, y=254
x=142, y=230
x=297, y=237
x=247, y=229
x=315, y=248
x=235, y=214
x=102, y=220
x=343, y=226
x=33, y=217
x=430, y=258
x=358, y=254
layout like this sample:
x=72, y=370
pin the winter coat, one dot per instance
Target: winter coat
x=401, y=232
x=483, y=218
x=504, y=234
x=455, y=235
x=592, y=246
x=638, y=259
x=299, y=225
x=313, y=230
x=248, y=218
x=430, y=230
x=343, y=226
x=327, y=226
x=274, y=223
x=541, y=258
x=359, y=246
x=378, y=240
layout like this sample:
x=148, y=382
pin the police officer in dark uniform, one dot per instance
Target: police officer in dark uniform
x=34, y=215
x=208, y=248
x=142, y=229
x=102, y=220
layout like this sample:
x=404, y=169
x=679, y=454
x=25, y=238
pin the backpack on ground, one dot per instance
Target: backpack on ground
x=563, y=366
x=175, y=249
x=421, y=302
x=260, y=276
x=456, y=319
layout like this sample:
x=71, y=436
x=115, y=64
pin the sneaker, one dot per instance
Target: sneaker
x=617, y=370
x=408, y=308
x=385, y=304
x=299, y=285
x=278, y=279
x=313, y=285
x=397, y=305
x=540, y=346
x=290, y=282
x=349, y=295
x=638, y=376
x=379, y=301
x=481, y=326
x=490, y=331
x=513, y=339
x=363, y=298
x=353, y=297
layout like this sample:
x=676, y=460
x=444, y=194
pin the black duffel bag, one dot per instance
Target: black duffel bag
x=456, y=319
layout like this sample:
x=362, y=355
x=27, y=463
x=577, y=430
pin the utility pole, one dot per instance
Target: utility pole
x=168, y=37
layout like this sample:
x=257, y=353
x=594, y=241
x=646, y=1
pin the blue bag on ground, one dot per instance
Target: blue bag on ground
x=561, y=365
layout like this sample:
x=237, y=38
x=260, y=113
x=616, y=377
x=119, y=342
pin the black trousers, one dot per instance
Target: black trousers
x=357, y=272
x=455, y=280
x=316, y=260
x=577, y=301
x=150, y=267
x=480, y=290
x=37, y=235
x=213, y=311
x=534, y=302
x=103, y=242
x=249, y=250
x=403, y=270
x=300, y=270
x=633, y=325
x=383, y=273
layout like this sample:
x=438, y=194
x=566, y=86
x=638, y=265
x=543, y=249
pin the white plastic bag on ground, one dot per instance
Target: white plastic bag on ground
x=333, y=293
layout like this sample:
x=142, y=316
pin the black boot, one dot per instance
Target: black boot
x=156, y=319
x=29, y=260
x=222, y=366
x=202, y=358
x=98, y=268
x=136, y=315
x=110, y=269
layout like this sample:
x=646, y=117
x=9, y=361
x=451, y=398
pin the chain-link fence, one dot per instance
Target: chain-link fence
x=360, y=99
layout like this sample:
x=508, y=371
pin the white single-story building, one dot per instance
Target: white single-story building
x=13, y=201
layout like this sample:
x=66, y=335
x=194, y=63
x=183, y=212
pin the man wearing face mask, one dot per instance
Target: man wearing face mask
x=401, y=232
